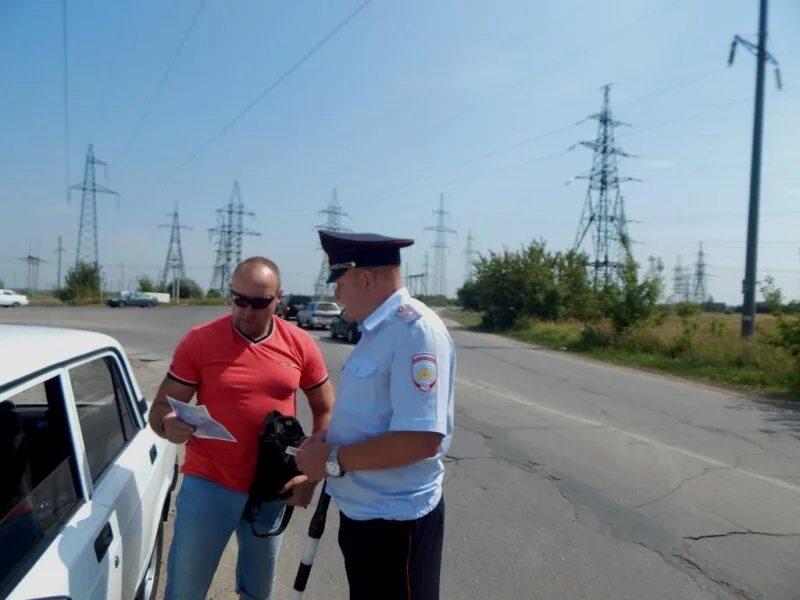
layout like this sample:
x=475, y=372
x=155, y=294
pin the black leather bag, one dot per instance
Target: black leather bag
x=275, y=466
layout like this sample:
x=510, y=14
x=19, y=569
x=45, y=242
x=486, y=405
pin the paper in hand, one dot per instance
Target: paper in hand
x=199, y=417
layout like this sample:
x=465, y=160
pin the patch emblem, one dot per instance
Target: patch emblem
x=424, y=371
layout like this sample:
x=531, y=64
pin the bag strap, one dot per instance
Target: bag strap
x=253, y=513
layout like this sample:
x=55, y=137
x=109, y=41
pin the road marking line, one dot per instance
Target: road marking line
x=485, y=387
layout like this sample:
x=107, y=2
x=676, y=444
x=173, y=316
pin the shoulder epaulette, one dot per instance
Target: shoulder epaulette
x=409, y=313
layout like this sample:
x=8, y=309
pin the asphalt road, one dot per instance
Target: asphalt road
x=567, y=478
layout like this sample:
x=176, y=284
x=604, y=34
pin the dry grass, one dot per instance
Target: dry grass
x=704, y=346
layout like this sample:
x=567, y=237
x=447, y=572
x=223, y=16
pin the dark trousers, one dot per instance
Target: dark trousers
x=393, y=560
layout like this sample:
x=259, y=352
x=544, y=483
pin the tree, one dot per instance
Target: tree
x=81, y=281
x=188, y=288
x=145, y=284
x=631, y=302
x=468, y=296
x=2, y=283
x=773, y=296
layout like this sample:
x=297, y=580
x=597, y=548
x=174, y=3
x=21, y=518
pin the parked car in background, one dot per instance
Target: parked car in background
x=141, y=299
x=318, y=314
x=291, y=304
x=342, y=326
x=86, y=484
x=12, y=298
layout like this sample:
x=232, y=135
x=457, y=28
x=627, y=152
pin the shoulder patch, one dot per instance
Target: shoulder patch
x=409, y=313
x=424, y=371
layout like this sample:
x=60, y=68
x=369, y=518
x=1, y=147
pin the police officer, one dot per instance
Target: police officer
x=391, y=426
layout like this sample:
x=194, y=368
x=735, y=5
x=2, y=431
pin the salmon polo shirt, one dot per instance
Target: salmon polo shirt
x=240, y=381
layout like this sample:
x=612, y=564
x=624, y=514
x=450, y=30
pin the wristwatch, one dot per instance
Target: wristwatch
x=332, y=466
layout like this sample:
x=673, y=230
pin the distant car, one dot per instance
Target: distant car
x=86, y=484
x=318, y=314
x=12, y=298
x=141, y=299
x=342, y=326
x=291, y=305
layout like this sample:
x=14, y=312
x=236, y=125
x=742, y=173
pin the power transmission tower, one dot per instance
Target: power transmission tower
x=174, y=263
x=604, y=209
x=440, y=250
x=33, y=272
x=470, y=253
x=230, y=231
x=681, y=282
x=87, y=231
x=700, y=291
x=762, y=56
x=333, y=222
x=427, y=267
x=60, y=251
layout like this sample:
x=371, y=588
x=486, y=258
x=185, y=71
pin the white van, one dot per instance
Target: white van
x=84, y=483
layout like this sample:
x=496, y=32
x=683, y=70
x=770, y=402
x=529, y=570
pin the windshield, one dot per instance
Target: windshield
x=327, y=306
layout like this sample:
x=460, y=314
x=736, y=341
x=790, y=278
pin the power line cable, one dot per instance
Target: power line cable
x=270, y=88
x=164, y=79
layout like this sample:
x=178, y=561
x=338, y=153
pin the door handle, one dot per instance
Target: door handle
x=103, y=541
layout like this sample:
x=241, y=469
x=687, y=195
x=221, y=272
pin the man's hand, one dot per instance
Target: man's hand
x=175, y=430
x=302, y=491
x=312, y=458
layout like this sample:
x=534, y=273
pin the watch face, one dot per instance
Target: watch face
x=332, y=468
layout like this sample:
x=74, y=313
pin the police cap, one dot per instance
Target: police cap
x=349, y=250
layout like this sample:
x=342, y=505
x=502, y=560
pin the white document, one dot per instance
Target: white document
x=198, y=417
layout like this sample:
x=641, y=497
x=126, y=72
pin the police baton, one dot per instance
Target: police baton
x=315, y=530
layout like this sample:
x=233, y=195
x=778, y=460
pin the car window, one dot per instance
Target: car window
x=39, y=488
x=8, y=293
x=326, y=306
x=103, y=412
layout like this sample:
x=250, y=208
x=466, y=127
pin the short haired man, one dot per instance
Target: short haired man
x=241, y=366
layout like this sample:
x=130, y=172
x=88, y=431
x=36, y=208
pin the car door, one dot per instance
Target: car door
x=61, y=543
x=122, y=460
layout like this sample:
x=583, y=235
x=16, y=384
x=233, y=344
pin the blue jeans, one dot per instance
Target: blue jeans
x=206, y=516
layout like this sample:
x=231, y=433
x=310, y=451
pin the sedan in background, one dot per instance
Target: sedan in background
x=345, y=328
x=12, y=298
x=318, y=314
x=140, y=299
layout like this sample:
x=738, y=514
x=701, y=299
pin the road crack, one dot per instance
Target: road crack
x=733, y=533
x=684, y=481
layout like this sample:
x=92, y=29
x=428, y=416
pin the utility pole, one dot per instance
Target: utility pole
x=470, y=253
x=440, y=250
x=230, y=230
x=60, y=251
x=333, y=222
x=174, y=263
x=605, y=213
x=427, y=267
x=700, y=289
x=762, y=56
x=87, y=231
x=33, y=272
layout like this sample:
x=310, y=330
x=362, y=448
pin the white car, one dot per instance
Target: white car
x=85, y=485
x=318, y=314
x=12, y=298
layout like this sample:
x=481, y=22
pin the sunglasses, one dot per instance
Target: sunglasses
x=255, y=302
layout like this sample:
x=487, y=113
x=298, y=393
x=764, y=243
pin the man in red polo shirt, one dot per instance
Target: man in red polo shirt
x=241, y=366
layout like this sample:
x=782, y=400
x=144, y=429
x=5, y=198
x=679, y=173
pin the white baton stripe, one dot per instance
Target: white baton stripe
x=292, y=451
x=309, y=551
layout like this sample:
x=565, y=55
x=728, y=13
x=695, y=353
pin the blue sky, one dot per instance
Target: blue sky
x=409, y=100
